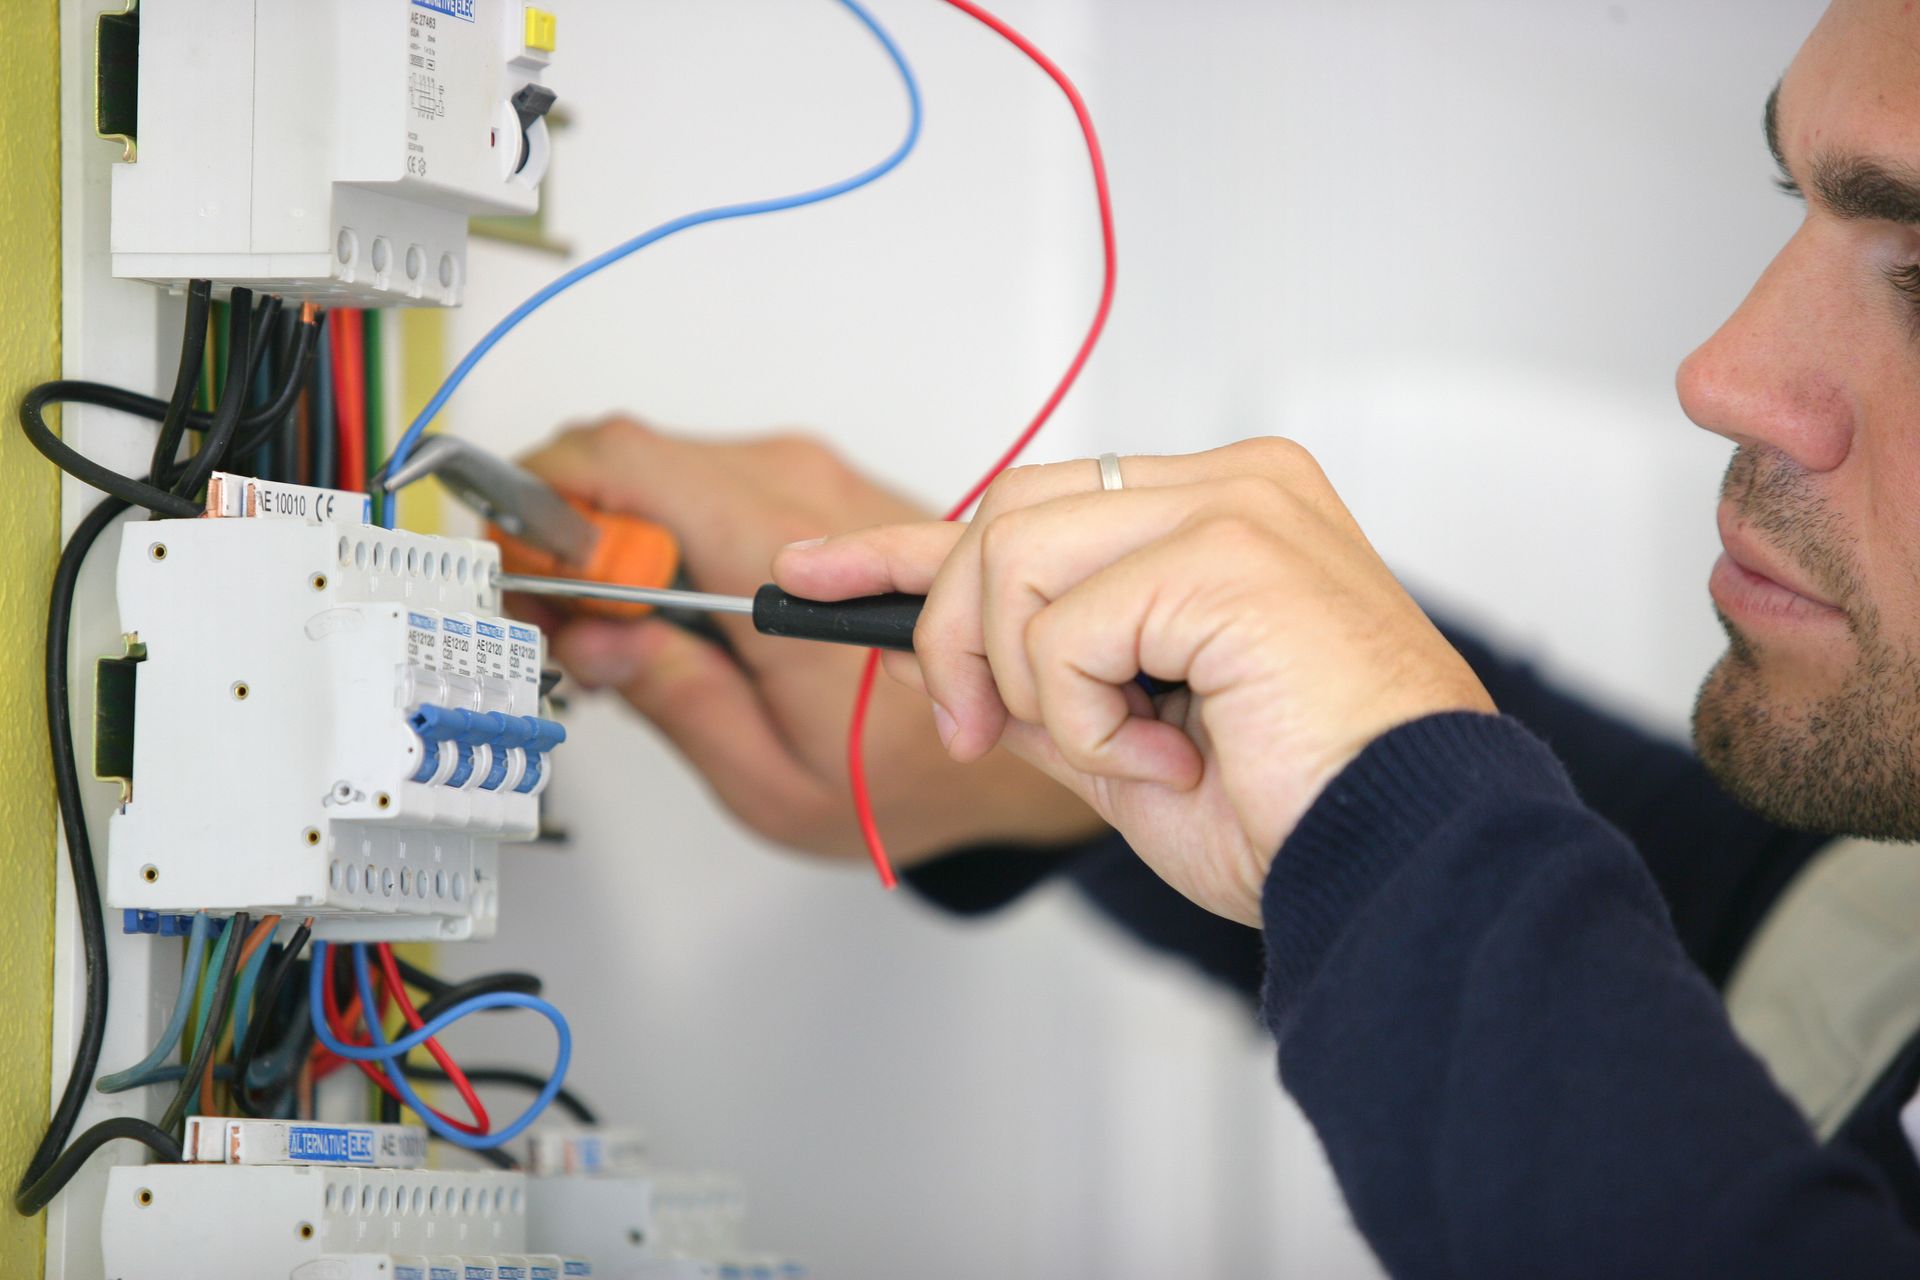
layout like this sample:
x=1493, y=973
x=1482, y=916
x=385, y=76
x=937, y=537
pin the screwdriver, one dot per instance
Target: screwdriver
x=871, y=622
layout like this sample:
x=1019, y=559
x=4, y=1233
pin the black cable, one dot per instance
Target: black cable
x=130, y=492
x=266, y=996
x=86, y=886
x=257, y=426
x=209, y=1033
x=233, y=397
x=485, y=984
x=193, y=349
x=265, y=316
x=139, y=492
x=438, y=988
x=566, y=1099
x=35, y=1196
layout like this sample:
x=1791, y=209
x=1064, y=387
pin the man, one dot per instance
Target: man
x=1490, y=966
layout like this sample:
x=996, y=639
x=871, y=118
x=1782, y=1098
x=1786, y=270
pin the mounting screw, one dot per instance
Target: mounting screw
x=312, y=835
x=382, y=800
x=143, y=1197
x=318, y=582
x=149, y=873
x=157, y=551
x=306, y=1231
x=240, y=690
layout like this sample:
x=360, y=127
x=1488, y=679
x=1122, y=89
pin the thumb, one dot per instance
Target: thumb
x=706, y=706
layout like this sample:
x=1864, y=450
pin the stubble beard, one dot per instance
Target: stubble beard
x=1847, y=760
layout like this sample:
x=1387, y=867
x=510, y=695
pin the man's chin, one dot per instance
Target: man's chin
x=1844, y=763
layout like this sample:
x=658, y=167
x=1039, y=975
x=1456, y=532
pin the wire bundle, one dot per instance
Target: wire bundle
x=386, y=1053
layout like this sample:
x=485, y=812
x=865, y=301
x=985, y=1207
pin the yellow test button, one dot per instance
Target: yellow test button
x=541, y=26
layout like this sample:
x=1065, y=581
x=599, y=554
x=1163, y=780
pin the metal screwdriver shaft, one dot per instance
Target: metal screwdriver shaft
x=659, y=597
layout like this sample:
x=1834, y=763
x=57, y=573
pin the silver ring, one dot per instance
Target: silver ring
x=1110, y=472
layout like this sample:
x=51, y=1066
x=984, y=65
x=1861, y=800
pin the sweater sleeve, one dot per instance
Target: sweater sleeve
x=1515, y=1068
x=1718, y=866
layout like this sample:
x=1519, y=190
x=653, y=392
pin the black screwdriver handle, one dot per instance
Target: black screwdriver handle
x=872, y=622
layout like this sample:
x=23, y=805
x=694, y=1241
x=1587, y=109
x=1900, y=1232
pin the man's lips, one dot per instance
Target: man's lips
x=1751, y=578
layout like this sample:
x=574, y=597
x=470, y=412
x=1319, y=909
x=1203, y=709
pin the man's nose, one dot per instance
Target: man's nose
x=1762, y=380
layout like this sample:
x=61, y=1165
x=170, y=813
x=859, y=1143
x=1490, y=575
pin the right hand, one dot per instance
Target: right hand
x=768, y=730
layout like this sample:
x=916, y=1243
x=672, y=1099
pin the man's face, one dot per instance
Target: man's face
x=1813, y=715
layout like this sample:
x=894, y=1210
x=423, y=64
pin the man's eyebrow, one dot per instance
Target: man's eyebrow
x=1848, y=186
x=1854, y=187
x=1773, y=129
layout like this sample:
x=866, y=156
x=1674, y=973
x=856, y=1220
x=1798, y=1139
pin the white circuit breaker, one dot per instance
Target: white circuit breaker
x=318, y=717
x=291, y=1222
x=327, y=151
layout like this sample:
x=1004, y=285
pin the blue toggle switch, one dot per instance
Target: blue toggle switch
x=518, y=732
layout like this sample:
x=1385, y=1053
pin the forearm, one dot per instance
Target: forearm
x=1513, y=1065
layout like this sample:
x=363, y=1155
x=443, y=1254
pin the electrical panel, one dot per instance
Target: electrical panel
x=376, y=728
x=244, y=1222
x=330, y=152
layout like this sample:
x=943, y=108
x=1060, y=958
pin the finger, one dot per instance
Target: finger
x=1029, y=558
x=951, y=642
x=723, y=522
x=917, y=559
x=904, y=668
x=869, y=562
x=1085, y=651
x=701, y=700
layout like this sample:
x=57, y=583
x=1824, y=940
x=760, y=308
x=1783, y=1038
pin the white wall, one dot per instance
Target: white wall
x=1457, y=246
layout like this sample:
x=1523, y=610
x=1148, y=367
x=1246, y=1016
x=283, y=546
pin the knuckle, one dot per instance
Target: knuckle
x=804, y=451
x=1233, y=535
x=1007, y=490
x=618, y=431
x=1251, y=493
x=999, y=537
x=1280, y=456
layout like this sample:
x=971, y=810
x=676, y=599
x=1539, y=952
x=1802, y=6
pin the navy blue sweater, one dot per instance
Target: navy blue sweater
x=1491, y=970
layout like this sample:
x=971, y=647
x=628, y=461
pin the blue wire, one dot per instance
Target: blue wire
x=243, y=990
x=142, y=1072
x=206, y=988
x=386, y=1053
x=411, y=436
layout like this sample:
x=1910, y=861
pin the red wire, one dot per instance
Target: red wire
x=390, y=970
x=342, y=1024
x=856, y=732
x=348, y=336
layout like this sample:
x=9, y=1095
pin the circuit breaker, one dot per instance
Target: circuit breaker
x=328, y=151
x=318, y=717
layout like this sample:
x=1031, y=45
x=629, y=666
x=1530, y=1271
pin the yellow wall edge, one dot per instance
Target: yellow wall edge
x=29, y=545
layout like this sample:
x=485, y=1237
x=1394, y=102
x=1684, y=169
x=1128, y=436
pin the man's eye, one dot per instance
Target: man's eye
x=1786, y=184
x=1907, y=280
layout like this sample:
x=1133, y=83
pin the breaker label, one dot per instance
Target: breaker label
x=234, y=497
x=423, y=639
x=461, y=9
x=523, y=655
x=456, y=646
x=330, y=1146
